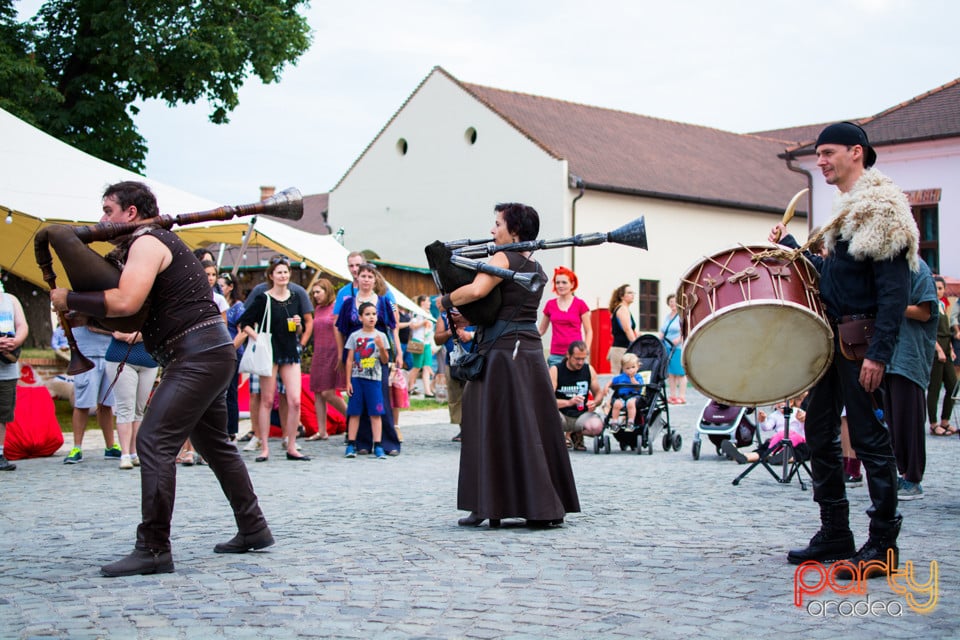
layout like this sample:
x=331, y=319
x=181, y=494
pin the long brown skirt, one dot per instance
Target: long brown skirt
x=514, y=461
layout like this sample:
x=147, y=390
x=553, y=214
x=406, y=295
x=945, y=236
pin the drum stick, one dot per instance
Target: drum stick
x=791, y=209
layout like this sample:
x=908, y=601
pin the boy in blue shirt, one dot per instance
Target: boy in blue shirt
x=366, y=351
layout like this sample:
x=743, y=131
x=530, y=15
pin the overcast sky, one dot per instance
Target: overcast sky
x=740, y=66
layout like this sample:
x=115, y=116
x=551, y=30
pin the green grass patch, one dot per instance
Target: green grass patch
x=424, y=404
x=38, y=353
x=65, y=416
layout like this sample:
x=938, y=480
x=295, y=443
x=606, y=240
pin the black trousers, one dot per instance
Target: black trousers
x=942, y=374
x=905, y=411
x=191, y=402
x=840, y=388
x=233, y=407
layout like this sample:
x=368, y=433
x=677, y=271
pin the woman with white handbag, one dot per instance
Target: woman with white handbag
x=281, y=319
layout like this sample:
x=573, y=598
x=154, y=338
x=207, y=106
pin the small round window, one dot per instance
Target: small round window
x=402, y=146
x=470, y=135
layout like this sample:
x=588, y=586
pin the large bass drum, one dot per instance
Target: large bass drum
x=755, y=331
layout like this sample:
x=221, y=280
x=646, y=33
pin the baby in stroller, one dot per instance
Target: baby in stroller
x=774, y=424
x=628, y=389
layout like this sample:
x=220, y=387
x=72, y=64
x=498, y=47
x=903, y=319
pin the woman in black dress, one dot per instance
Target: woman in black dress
x=513, y=460
x=286, y=317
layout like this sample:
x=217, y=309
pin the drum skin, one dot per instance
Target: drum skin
x=755, y=331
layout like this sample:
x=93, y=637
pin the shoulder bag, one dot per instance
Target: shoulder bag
x=258, y=355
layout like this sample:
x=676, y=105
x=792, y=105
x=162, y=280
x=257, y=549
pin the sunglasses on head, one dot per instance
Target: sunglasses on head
x=280, y=260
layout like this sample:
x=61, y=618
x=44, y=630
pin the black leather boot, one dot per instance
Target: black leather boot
x=243, y=542
x=834, y=540
x=873, y=559
x=139, y=562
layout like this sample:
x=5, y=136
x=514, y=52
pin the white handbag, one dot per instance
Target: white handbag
x=258, y=356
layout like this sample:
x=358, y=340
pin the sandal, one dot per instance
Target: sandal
x=569, y=442
x=950, y=429
x=319, y=435
x=939, y=430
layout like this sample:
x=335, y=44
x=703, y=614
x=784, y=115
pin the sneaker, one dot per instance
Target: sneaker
x=910, y=491
x=6, y=465
x=379, y=453
x=853, y=481
x=135, y=459
x=113, y=453
x=246, y=437
x=126, y=462
x=351, y=452
x=74, y=457
x=253, y=444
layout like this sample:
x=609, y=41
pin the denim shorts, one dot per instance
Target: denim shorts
x=90, y=387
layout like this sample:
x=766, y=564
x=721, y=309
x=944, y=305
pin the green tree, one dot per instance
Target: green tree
x=78, y=66
x=23, y=82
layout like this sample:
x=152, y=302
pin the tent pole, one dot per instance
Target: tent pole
x=243, y=247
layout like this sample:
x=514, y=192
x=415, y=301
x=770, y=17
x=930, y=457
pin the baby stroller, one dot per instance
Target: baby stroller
x=653, y=412
x=721, y=422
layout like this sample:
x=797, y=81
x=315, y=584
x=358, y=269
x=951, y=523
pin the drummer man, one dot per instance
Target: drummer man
x=185, y=333
x=871, y=245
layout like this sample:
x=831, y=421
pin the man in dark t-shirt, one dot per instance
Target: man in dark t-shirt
x=572, y=380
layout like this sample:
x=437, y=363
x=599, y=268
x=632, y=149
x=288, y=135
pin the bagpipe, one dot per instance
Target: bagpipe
x=89, y=271
x=454, y=264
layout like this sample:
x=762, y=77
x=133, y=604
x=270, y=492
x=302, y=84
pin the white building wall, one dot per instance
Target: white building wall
x=916, y=166
x=679, y=236
x=444, y=188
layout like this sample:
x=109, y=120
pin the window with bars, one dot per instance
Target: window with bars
x=927, y=217
x=925, y=206
x=648, y=297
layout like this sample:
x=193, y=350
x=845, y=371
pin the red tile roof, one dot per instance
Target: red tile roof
x=628, y=153
x=930, y=116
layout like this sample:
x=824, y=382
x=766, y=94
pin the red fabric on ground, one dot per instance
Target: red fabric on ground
x=34, y=432
x=336, y=421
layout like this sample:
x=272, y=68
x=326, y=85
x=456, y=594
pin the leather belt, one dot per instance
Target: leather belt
x=204, y=336
x=852, y=318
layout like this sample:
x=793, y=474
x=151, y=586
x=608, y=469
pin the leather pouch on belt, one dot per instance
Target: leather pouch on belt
x=855, y=338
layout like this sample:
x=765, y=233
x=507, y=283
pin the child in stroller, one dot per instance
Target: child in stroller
x=773, y=424
x=628, y=389
x=642, y=393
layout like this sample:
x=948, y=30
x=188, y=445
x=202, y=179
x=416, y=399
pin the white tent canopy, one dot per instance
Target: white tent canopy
x=45, y=181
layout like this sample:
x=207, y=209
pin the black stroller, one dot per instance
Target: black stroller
x=721, y=422
x=653, y=411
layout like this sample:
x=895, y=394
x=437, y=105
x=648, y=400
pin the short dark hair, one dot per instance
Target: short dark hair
x=137, y=194
x=363, y=307
x=577, y=345
x=520, y=219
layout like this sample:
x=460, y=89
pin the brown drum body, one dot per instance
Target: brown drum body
x=755, y=332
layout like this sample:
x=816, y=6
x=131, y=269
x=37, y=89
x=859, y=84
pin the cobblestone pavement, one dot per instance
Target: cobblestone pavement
x=666, y=547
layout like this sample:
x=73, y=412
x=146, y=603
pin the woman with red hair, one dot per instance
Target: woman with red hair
x=569, y=315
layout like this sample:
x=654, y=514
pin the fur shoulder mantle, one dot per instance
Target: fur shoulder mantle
x=875, y=217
